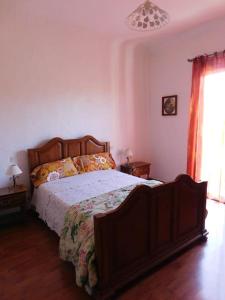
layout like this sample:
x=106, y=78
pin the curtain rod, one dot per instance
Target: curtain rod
x=211, y=54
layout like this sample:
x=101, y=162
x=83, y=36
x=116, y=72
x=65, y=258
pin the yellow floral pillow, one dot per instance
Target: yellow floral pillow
x=53, y=170
x=94, y=162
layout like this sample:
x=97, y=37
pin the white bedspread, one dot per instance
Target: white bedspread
x=52, y=199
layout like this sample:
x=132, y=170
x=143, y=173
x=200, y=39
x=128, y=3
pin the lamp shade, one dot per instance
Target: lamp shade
x=13, y=170
x=146, y=17
x=129, y=153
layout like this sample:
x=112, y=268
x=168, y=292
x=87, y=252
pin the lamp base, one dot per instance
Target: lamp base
x=14, y=181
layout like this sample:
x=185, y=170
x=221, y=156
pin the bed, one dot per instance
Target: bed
x=154, y=222
x=52, y=199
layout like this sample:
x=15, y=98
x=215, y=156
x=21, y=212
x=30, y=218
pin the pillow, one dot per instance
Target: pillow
x=53, y=170
x=94, y=162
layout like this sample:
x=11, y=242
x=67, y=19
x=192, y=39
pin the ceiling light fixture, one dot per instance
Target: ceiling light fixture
x=147, y=17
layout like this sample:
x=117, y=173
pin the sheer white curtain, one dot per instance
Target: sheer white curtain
x=213, y=136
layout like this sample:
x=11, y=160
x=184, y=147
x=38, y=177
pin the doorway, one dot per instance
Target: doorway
x=213, y=136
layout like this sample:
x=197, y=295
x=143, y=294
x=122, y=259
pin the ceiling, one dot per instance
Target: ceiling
x=108, y=16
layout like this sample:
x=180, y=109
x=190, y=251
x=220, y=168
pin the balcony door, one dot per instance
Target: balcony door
x=213, y=135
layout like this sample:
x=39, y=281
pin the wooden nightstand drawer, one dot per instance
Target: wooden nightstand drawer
x=12, y=200
x=141, y=171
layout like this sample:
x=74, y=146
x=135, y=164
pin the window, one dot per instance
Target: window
x=213, y=135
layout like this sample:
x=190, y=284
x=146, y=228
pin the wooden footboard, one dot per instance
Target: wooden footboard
x=151, y=225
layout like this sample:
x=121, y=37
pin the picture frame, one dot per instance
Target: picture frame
x=169, y=105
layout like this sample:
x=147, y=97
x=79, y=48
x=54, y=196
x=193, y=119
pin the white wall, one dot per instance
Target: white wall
x=169, y=74
x=51, y=85
x=56, y=80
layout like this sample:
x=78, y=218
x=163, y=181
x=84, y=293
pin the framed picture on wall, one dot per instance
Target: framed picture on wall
x=169, y=105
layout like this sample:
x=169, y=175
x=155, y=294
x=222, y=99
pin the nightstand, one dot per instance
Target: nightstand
x=139, y=169
x=11, y=198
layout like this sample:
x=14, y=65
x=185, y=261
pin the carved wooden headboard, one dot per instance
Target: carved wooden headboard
x=58, y=148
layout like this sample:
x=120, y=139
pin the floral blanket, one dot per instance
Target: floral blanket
x=77, y=237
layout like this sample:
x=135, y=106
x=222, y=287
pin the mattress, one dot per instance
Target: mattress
x=53, y=199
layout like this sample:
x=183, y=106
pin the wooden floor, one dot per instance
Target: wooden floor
x=30, y=268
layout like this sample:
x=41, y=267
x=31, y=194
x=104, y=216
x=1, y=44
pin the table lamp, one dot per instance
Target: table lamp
x=13, y=171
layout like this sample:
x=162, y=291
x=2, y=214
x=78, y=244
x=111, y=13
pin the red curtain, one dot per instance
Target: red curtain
x=202, y=66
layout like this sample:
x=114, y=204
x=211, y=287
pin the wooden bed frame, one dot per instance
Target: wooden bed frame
x=150, y=226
